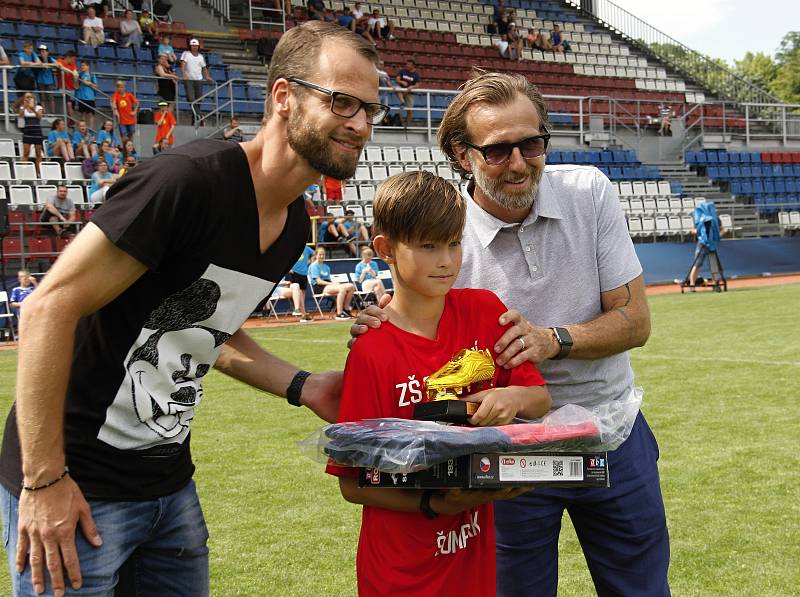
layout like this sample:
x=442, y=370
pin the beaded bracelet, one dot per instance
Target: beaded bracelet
x=53, y=482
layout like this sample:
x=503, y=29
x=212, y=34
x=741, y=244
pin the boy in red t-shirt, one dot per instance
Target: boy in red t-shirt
x=124, y=105
x=165, y=124
x=416, y=542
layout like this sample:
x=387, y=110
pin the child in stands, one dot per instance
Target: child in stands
x=403, y=549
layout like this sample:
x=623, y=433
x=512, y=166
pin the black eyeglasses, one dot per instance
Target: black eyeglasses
x=345, y=105
x=499, y=153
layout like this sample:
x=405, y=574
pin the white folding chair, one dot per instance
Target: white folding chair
x=7, y=314
x=21, y=195
x=50, y=171
x=664, y=187
x=651, y=188
x=25, y=171
x=7, y=149
x=625, y=189
x=374, y=153
x=73, y=171
x=45, y=193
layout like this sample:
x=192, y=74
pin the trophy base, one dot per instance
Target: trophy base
x=445, y=411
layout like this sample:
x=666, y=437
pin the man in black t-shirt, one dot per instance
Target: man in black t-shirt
x=407, y=80
x=147, y=298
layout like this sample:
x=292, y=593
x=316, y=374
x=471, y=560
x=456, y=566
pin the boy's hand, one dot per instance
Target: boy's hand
x=498, y=406
x=454, y=501
x=371, y=317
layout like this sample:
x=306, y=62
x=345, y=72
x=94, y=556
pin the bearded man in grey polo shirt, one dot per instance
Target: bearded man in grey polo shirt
x=552, y=243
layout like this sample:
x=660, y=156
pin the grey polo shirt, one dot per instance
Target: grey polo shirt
x=552, y=268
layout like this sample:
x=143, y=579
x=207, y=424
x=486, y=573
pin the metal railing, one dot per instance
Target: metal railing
x=783, y=119
x=266, y=17
x=690, y=63
x=218, y=7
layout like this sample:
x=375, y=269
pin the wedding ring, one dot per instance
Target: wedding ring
x=521, y=341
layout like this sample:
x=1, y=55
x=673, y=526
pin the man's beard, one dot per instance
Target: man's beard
x=315, y=148
x=493, y=187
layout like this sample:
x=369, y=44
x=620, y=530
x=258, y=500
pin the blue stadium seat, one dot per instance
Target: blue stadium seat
x=217, y=73
x=733, y=157
x=144, y=70
x=568, y=157
x=554, y=157
x=619, y=157
x=711, y=157
x=125, y=54
x=214, y=59
x=106, y=67
x=791, y=186
x=676, y=187
x=27, y=30
x=713, y=172
x=724, y=173
x=780, y=186
x=735, y=172
x=87, y=52
x=746, y=187
x=144, y=55
x=796, y=170
x=722, y=157
x=747, y=171
x=758, y=187
x=62, y=47
x=126, y=68
x=736, y=188
x=690, y=157
x=604, y=170
x=106, y=52
x=769, y=187
x=744, y=157
x=616, y=173
x=8, y=29
x=239, y=93
x=755, y=157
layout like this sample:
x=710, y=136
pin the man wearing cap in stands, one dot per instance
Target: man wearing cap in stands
x=194, y=69
x=96, y=467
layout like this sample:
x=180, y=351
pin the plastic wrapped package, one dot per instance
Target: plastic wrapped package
x=405, y=446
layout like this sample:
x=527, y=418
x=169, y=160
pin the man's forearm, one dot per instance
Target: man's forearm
x=45, y=351
x=243, y=359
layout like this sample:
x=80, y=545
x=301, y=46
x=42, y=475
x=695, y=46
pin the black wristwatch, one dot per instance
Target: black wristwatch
x=564, y=341
x=296, y=387
x=425, y=504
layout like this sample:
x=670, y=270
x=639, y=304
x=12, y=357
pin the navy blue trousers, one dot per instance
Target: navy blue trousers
x=622, y=529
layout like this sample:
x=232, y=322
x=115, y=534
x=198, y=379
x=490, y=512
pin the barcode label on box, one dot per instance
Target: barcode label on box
x=541, y=468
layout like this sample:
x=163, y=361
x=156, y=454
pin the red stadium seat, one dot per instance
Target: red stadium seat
x=31, y=15
x=11, y=248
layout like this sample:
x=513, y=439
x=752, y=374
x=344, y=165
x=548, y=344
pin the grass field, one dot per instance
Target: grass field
x=720, y=374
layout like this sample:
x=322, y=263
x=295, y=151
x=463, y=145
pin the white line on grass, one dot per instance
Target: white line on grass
x=307, y=340
x=666, y=357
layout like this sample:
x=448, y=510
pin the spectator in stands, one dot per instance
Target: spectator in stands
x=87, y=92
x=194, y=69
x=502, y=24
x=98, y=5
x=58, y=142
x=333, y=189
x=125, y=106
x=4, y=61
x=317, y=12
x=346, y=19
x=46, y=79
x=149, y=27
x=329, y=232
x=110, y=155
x=367, y=274
x=161, y=146
x=518, y=213
x=27, y=284
x=557, y=39
x=68, y=81
x=128, y=165
x=351, y=229
x=361, y=22
x=60, y=212
x=84, y=143
x=283, y=5
x=32, y=113
x=514, y=39
x=380, y=27
x=298, y=283
x=129, y=150
x=167, y=79
x=165, y=125
x=542, y=42
x=665, y=115
x=25, y=77
x=106, y=133
x=319, y=273
x=165, y=48
x=130, y=31
x=407, y=80
x=102, y=179
x=93, y=32
x=233, y=132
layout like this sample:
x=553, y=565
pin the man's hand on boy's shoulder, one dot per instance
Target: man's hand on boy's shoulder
x=371, y=317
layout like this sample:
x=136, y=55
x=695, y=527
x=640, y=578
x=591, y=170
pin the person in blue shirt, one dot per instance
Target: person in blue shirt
x=320, y=275
x=346, y=19
x=86, y=93
x=165, y=49
x=102, y=179
x=107, y=133
x=46, y=79
x=27, y=284
x=367, y=274
x=110, y=155
x=84, y=143
x=58, y=142
x=298, y=283
x=25, y=77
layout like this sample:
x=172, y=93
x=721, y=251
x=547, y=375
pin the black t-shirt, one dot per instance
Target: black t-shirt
x=190, y=216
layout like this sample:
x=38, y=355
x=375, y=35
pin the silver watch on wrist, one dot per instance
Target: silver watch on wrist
x=564, y=341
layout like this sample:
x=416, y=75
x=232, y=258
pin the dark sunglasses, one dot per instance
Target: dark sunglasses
x=345, y=105
x=499, y=153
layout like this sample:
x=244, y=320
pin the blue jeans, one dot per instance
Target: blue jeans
x=622, y=529
x=127, y=130
x=165, y=540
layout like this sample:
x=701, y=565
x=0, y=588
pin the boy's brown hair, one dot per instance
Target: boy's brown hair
x=415, y=206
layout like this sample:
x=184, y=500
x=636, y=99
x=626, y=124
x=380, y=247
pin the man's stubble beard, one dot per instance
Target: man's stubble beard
x=493, y=188
x=315, y=148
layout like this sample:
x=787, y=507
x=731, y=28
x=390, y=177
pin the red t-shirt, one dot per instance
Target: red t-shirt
x=164, y=122
x=333, y=188
x=405, y=553
x=66, y=81
x=124, y=103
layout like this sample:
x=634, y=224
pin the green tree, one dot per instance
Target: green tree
x=758, y=68
x=786, y=83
